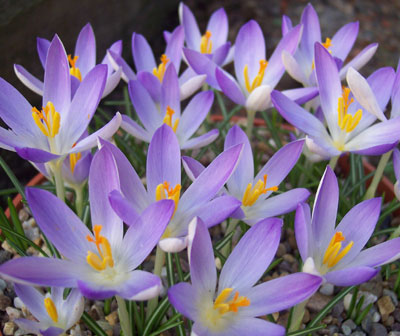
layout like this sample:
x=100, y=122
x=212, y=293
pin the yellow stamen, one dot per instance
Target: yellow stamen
x=327, y=43
x=48, y=120
x=168, y=119
x=159, y=72
x=51, y=309
x=332, y=255
x=164, y=191
x=103, y=248
x=74, y=71
x=251, y=195
x=73, y=159
x=346, y=121
x=206, y=43
x=259, y=77
x=233, y=305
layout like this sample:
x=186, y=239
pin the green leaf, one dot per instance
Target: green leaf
x=12, y=177
x=92, y=325
x=307, y=330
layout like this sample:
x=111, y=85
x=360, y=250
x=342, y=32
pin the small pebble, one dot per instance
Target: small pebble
x=3, y=285
x=377, y=329
x=358, y=333
x=20, y=332
x=327, y=289
x=376, y=317
x=281, y=250
x=5, y=256
x=386, y=305
x=9, y=328
x=394, y=333
x=112, y=318
x=5, y=302
x=317, y=302
x=392, y=295
x=389, y=321
x=13, y=313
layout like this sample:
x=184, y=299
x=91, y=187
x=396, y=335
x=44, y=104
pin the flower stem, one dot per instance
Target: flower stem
x=378, y=175
x=297, y=317
x=79, y=200
x=250, y=121
x=333, y=162
x=158, y=265
x=56, y=168
x=123, y=316
x=232, y=226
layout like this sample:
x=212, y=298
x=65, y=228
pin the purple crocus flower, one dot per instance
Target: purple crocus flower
x=254, y=192
x=163, y=177
x=101, y=264
x=334, y=252
x=350, y=126
x=301, y=65
x=153, y=115
x=80, y=63
x=55, y=315
x=233, y=308
x=53, y=132
x=76, y=166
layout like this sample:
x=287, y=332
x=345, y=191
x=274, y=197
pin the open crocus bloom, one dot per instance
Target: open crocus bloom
x=233, y=308
x=350, y=126
x=100, y=263
x=55, y=130
x=334, y=252
x=80, y=63
x=301, y=65
x=163, y=176
x=54, y=314
x=153, y=115
x=254, y=192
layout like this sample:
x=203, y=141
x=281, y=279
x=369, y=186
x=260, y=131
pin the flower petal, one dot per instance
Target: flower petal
x=311, y=31
x=201, y=141
x=351, y=276
x=230, y=87
x=118, y=62
x=183, y=297
x=42, y=49
x=35, y=155
x=302, y=229
x=218, y=26
x=28, y=80
x=192, y=32
x=151, y=83
x=170, y=92
x=259, y=99
x=123, y=208
x=85, y=49
x=174, y=47
x=142, y=54
x=360, y=60
x=131, y=127
x=191, y=85
x=32, y=299
x=343, y=40
x=112, y=82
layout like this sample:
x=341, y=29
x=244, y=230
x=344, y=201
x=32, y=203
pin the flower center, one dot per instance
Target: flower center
x=51, y=309
x=73, y=159
x=252, y=194
x=346, y=121
x=168, y=119
x=332, y=255
x=104, y=259
x=328, y=43
x=223, y=306
x=74, y=71
x=259, y=77
x=165, y=191
x=48, y=120
x=206, y=43
x=159, y=72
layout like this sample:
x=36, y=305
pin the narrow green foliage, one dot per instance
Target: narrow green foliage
x=92, y=325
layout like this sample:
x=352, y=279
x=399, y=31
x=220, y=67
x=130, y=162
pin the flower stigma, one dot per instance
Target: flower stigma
x=328, y=43
x=103, y=249
x=51, y=309
x=332, y=255
x=259, y=77
x=346, y=121
x=223, y=306
x=252, y=194
x=168, y=119
x=73, y=160
x=165, y=191
x=159, y=72
x=48, y=120
x=74, y=71
x=206, y=43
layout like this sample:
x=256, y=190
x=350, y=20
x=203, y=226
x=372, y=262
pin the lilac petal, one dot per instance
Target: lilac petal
x=57, y=82
x=142, y=54
x=259, y=99
x=366, y=214
x=104, y=178
x=28, y=325
x=192, y=32
x=170, y=92
x=194, y=114
x=259, y=245
x=123, y=208
x=286, y=24
x=376, y=150
x=255, y=327
x=360, y=60
x=211, y=179
x=193, y=168
x=279, y=294
x=293, y=68
x=85, y=49
x=117, y=61
x=311, y=31
x=35, y=155
x=203, y=273
x=396, y=163
x=173, y=245
x=33, y=300
x=191, y=85
x=302, y=229
x=281, y=163
x=301, y=95
x=249, y=50
x=329, y=85
x=351, y=276
x=144, y=234
x=163, y=160
x=144, y=106
x=151, y=83
x=183, y=297
x=28, y=80
x=218, y=26
x=81, y=171
x=112, y=82
x=275, y=68
x=42, y=49
x=96, y=292
x=344, y=39
x=52, y=331
x=116, y=47
x=131, y=127
x=201, y=141
x=59, y=223
x=230, y=87
x=395, y=97
x=174, y=47
x=83, y=106
x=220, y=54
x=244, y=171
x=142, y=286
x=40, y=271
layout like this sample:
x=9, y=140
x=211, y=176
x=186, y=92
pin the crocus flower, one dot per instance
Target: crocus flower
x=54, y=314
x=100, y=263
x=350, y=126
x=255, y=76
x=53, y=132
x=163, y=177
x=233, y=308
x=80, y=63
x=153, y=115
x=396, y=168
x=149, y=73
x=301, y=65
x=254, y=192
x=334, y=252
